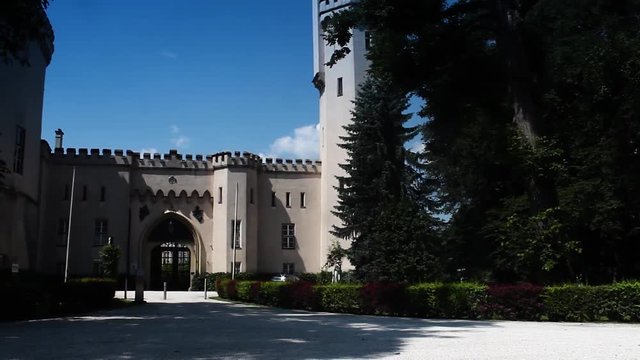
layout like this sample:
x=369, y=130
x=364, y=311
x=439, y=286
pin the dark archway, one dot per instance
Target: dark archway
x=170, y=255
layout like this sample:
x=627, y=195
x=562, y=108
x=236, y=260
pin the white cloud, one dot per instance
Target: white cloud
x=169, y=54
x=179, y=140
x=149, y=151
x=303, y=144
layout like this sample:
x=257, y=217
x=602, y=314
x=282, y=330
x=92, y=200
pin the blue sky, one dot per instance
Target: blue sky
x=201, y=76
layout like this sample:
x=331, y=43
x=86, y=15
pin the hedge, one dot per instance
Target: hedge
x=616, y=302
x=512, y=302
x=88, y=292
x=341, y=298
x=43, y=297
x=197, y=282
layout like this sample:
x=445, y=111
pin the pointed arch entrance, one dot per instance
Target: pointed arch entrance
x=172, y=245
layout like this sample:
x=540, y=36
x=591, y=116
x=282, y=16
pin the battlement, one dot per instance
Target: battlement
x=175, y=160
x=288, y=165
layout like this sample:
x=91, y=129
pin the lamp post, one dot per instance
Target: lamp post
x=235, y=234
x=66, y=261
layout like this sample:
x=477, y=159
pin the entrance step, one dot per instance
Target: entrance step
x=172, y=296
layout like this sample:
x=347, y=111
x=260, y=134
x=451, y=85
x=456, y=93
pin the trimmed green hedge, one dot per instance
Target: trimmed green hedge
x=340, y=298
x=197, y=282
x=616, y=302
x=44, y=296
x=88, y=291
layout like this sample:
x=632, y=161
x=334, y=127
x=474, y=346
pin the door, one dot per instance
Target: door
x=170, y=263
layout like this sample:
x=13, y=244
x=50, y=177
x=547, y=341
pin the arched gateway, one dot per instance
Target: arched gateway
x=171, y=249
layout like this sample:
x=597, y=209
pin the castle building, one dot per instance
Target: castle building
x=172, y=215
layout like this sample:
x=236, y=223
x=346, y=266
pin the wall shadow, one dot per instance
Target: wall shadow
x=221, y=330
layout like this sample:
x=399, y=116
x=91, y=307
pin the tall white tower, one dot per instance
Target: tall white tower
x=337, y=86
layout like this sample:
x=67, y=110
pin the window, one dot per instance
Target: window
x=288, y=199
x=220, y=195
x=101, y=230
x=238, y=243
x=288, y=268
x=183, y=260
x=273, y=199
x=303, y=200
x=237, y=268
x=167, y=257
x=18, y=155
x=62, y=231
x=103, y=194
x=367, y=40
x=251, y=196
x=84, y=192
x=288, y=236
x=97, y=269
x=339, y=86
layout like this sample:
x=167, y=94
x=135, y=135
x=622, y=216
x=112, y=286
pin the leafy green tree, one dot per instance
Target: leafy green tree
x=22, y=21
x=531, y=126
x=378, y=189
x=335, y=257
x=109, y=258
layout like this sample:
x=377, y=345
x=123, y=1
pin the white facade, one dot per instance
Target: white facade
x=135, y=195
x=338, y=86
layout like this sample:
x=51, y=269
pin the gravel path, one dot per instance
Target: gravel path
x=186, y=326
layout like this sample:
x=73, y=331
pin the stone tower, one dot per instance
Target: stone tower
x=21, y=101
x=337, y=86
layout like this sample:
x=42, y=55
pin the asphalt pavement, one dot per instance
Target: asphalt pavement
x=186, y=326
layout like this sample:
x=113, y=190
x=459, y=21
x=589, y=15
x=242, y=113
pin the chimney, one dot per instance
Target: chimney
x=59, y=136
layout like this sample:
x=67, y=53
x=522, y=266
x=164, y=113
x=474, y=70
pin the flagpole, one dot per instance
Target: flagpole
x=235, y=234
x=66, y=261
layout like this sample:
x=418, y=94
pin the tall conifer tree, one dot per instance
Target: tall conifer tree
x=387, y=228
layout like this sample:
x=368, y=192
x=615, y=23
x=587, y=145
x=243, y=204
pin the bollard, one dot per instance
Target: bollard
x=165, y=290
x=126, y=285
x=205, y=288
x=139, y=286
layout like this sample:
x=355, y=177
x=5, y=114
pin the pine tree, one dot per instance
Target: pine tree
x=381, y=218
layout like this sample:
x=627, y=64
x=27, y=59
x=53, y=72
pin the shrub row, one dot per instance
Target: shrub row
x=617, y=302
x=52, y=297
x=197, y=282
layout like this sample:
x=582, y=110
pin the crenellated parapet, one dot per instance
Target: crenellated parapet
x=174, y=160
x=84, y=156
x=235, y=159
x=293, y=166
x=171, y=160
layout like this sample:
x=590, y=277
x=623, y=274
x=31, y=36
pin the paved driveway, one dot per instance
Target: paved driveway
x=189, y=327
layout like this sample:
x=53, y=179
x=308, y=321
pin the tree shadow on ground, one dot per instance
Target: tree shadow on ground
x=220, y=330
